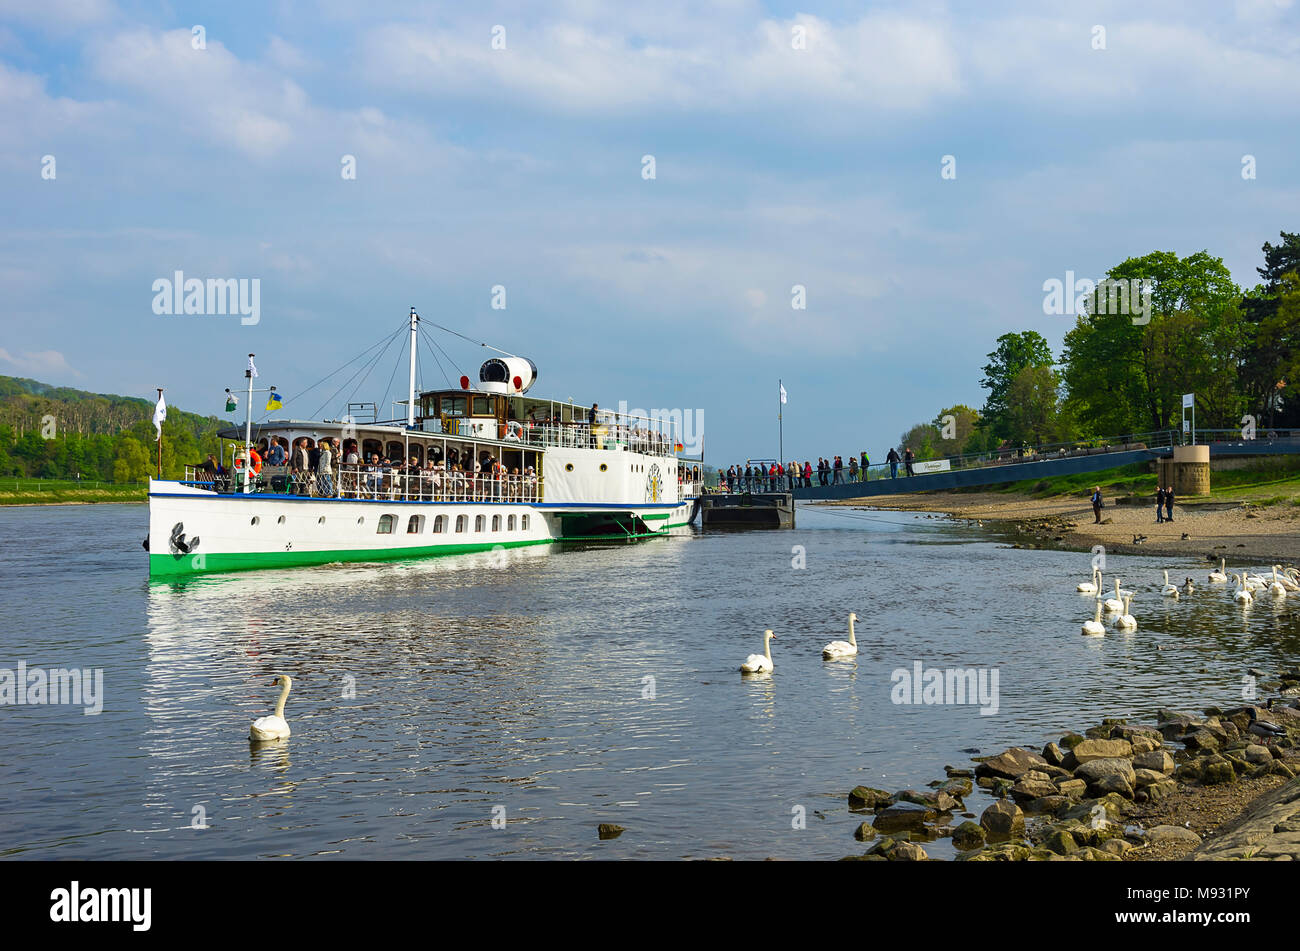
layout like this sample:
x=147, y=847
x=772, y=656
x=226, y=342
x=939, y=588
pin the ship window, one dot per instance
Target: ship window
x=280, y=520
x=321, y=520
x=395, y=451
x=371, y=447
x=479, y=522
x=440, y=523
x=254, y=520
x=415, y=525
x=385, y=525
x=603, y=467
x=496, y=523
x=460, y=523
x=524, y=523
x=361, y=520
x=453, y=406
x=568, y=467
x=482, y=406
x=510, y=524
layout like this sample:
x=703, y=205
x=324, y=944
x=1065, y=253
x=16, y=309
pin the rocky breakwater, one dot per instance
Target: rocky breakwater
x=1104, y=795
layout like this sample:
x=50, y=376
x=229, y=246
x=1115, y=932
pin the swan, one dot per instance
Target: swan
x=1169, y=590
x=847, y=648
x=1188, y=586
x=274, y=727
x=760, y=663
x=1218, y=577
x=1242, y=595
x=1093, y=586
x=1277, y=589
x=1115, y=604
x=1127, y=621
x=1284, y=579
x=1094, y=627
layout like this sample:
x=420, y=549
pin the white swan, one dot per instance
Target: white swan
x=1242, y=595
x=1115, y=604
x=274, y=727
x=1188, y=586
x=1218, y=577
x=1094, y=627
x=760, y=663
x=847, y=648
x=1169, y=590
x=1285, y=579
x=1093, y=586
x=1277, y=589
x=1127, y=621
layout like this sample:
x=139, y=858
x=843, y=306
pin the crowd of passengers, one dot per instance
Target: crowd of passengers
x=332, y=469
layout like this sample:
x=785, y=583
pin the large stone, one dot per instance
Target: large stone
x=1061, y=842
x=1045, y=805
x=1070, y=740
x=903, y=815
x=1258, y=755
x=1012, y=764
x=906, y=852
x=1132, y=732
x=1074, y=788
x=1025, y=790
x=864, y=797
x=1158, y=760
x=1161, y=835
x=969, y=835
x=1147, y=777
x=1053, y=754
x=935, y=799
x=1217, y=770
x=1003, y=820
x=865, y=832
x=1201, y=739
x=1161, y=790
x=1090, y=750
x=1095, y=769
x=1112, y=783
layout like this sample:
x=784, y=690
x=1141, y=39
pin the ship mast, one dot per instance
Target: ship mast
x=410, y=403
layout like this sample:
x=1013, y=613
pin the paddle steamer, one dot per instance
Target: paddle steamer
x=485, y=466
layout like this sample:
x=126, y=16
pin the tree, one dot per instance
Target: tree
x=963, y=423
x=1033, y=401
x=131, y=461
x=921, y=439
x=1124, y=373
x=1015, y=352
x=1273, y=344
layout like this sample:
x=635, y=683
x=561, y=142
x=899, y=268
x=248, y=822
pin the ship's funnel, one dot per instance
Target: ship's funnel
x=507, y=375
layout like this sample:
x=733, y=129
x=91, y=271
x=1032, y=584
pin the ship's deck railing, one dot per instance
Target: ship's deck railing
x=613, y=436
x=378, y=483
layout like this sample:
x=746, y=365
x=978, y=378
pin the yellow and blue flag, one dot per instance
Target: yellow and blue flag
x=273, y=401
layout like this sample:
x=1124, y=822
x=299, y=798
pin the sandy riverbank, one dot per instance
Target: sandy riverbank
x=1225, y=530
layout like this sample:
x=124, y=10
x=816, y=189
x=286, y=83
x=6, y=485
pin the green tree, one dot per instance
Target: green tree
x=960, y=422
x=131, y=460
x=1033, y=402
x=1015, y=351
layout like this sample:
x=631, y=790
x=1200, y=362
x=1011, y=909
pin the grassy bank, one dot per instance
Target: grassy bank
x=1270, y=483
x=17, y=491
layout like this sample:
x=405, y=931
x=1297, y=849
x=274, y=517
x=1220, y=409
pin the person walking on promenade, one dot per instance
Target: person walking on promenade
x=866, y=461
x=893, y=460
x=853, y=469
x=1096, y=504
x=1160, y=505
x=839, y=471
x=1169, y=503
x=807, y=474
x=909, y=457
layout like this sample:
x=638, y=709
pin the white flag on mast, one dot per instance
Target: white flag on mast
x=159, y=414
x=782, y=385
x=252, y=370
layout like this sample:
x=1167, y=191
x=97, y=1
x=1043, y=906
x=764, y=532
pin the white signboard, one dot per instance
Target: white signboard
x=1189, y=400
x=934, y=465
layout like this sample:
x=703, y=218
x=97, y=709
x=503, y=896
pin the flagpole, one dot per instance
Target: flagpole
x=779, y=425
x=160, y=392
x=248, y=428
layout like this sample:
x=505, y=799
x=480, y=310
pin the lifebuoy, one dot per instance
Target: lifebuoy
x=514, y=431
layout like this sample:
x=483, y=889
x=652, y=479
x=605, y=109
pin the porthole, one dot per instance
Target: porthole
x=361, y=520
x=603, y=467
x=255, y=520
x=280, y=520
x=321, y=520
x=568, y=467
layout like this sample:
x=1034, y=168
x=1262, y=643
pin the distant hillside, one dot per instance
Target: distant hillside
x=57, y=432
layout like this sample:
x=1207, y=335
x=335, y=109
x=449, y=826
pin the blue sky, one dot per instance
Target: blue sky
x=522, y=167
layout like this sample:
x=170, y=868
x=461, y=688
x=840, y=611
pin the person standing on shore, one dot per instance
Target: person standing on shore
x=893, y=460
x=1160, y=505
x=866, y=461
x=1169, y=503
x=1096, y=504
x=909, y=457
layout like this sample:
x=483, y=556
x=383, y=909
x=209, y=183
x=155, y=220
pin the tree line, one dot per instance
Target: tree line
x=53, y=432
x=1124, y=373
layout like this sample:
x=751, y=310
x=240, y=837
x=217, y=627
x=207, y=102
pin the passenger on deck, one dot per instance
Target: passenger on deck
x=325, y=470
x=278, y=455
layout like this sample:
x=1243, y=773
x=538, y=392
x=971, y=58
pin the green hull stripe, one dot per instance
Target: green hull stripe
x=169, y=566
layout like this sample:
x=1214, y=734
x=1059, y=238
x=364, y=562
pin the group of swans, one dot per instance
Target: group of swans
x=762, y=663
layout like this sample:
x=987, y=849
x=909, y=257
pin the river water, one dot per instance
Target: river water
x=453, y=708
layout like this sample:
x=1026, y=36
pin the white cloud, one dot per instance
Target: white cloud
x=43, y=362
